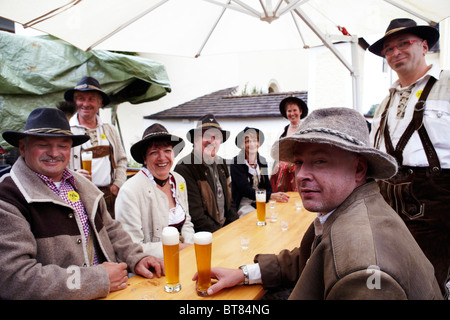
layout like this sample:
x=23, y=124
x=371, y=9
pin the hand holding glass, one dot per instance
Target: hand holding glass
x=203, y=243
x=86, y=161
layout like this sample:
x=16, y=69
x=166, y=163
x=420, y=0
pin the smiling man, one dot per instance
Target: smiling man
x=54, y=224
x=413, y=125
x=109, y=163
x=207, y=177
x=356, y=237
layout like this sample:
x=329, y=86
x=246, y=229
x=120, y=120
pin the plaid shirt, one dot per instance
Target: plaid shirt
x=67, y=191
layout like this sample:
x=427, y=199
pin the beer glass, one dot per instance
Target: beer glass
x=261, y=207
x=203, y=243
x=86, y=160
x=170, y=241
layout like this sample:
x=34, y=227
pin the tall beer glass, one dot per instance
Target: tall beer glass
x=261, y=207
x=86, y=160
x=203, y=243
x=170, y=241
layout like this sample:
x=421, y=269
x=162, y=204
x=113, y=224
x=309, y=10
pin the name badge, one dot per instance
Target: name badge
x=73, y=196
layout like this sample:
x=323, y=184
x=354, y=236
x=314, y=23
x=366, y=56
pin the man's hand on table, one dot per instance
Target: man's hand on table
x=227, y=278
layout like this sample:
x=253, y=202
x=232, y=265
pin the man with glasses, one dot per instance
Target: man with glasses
x=413, y=125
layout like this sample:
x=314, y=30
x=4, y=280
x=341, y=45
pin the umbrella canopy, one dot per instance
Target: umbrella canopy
x=36, y=71
x=198, y=27
x=181, y=27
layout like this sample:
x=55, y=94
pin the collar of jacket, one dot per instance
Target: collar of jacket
x=28, y=183
x=368, y=189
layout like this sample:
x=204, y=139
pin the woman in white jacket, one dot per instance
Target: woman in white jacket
x=155, y=197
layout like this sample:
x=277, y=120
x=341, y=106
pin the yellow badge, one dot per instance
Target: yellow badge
x=182, y=187
x=73, y=196
x=103, y=136
x=419, y=93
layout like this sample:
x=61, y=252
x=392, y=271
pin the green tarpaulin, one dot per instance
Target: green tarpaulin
x=36, y=71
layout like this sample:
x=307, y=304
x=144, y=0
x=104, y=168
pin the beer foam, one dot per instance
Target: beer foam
x=203, y=237
x=86, y=156
x=170, y=236
x=260, y=197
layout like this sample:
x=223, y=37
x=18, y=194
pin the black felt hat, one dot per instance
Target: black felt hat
x=293, y=99
x=207, y=122
x=154, y=132
x=45, y=122
x=405, y=25
x=87, y=84
x=240, y=137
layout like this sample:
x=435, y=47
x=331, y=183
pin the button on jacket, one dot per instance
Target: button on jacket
x=41, y=236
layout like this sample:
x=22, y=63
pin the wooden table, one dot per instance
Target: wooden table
x=227, y=252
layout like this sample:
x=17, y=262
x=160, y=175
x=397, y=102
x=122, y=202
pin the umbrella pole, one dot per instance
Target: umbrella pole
x=211, y=31
x=329, y=45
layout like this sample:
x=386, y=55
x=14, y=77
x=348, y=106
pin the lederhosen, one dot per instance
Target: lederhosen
x=421, y=195
x=100, y=151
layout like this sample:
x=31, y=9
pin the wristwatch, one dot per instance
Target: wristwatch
x=245, y=271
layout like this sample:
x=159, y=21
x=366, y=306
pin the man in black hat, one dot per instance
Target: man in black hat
x=57, y=239
x=109, y=163
x=411, y=124
x=207, y=177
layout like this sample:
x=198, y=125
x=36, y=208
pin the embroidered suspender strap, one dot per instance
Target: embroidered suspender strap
x=415, y=124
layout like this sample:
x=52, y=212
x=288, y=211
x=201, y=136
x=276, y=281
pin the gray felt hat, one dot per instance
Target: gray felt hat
x=343, y=128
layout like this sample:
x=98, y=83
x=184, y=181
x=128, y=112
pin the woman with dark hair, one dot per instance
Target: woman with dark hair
x=155, y=197
x=249, y=172
x=294, y=109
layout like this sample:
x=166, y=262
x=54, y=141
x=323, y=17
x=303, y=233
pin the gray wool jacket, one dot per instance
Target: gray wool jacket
x=43, y=254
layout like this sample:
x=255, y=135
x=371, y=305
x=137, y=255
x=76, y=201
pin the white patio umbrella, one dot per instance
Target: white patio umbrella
x=194, y=27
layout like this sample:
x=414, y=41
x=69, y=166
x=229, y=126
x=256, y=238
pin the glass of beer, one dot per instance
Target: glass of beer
x=203, y=243
x=86, y=160
x=170, y=241
x=261, y=207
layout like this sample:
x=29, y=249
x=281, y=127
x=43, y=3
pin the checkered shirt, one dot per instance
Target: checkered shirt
x=68, y=184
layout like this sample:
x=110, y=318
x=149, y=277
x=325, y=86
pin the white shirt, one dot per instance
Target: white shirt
x=101, y=167
x=436, y=119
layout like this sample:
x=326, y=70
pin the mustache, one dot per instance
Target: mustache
x=50, y=158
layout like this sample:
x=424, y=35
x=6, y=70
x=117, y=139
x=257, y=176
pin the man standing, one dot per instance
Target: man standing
x=57, y=239
x=109, y=163
x=207, y=177
x=413, y=125
x=357, y=247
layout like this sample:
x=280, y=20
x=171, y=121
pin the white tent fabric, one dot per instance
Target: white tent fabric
x=201, y=27
x=180, y=27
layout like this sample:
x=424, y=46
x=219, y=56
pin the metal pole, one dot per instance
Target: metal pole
x=211, y=31
x=329, y=45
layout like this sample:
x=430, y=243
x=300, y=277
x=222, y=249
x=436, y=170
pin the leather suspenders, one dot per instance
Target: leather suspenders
x=415, y=124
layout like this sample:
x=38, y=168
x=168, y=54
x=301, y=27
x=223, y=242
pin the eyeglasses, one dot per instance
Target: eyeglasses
x=403, y=45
